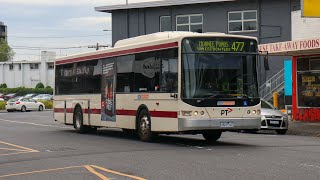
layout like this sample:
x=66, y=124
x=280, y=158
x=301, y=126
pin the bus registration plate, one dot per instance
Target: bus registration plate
x=227, y=124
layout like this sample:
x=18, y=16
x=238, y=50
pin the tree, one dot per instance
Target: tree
x=39, y=86
x=6, y=53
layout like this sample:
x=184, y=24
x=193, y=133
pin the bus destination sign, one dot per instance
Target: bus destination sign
x=219, y=45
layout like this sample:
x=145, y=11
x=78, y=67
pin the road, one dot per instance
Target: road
x=33, y=146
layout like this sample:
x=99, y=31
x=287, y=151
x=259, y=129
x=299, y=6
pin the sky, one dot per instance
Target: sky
x=56, y=25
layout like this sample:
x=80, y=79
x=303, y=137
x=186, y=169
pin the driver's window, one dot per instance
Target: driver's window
x=25, y=100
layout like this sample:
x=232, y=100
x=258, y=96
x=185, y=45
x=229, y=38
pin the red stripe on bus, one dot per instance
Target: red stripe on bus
x=163, y=114
x=61, y=110
x=127, y=112
x=119, y=53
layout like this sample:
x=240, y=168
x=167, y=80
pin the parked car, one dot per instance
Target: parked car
x=1, y=95
x=24, y=104
x=273, y=119
x=1, y=99
x=30, y=95
x=9, y=96
x=43, y=97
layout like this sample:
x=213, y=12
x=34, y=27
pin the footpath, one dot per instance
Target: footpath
x=304, y=128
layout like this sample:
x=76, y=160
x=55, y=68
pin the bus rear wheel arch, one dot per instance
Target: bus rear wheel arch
x=78, y=122
x=144, y=126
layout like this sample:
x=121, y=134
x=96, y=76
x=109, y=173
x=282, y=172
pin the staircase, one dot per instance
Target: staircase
x=274, y=84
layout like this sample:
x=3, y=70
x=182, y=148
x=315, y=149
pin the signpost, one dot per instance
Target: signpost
x=310, y=8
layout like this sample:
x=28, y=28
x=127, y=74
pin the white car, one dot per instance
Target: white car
x=24, y=104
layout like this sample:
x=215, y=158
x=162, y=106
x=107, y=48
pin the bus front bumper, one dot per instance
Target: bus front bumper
x=221, y=124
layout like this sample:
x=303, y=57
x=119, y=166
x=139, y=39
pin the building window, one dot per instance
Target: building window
x=50, y=65
x=34, y=66
x=19, y=67
x=193, y=23
x=242, y=21
x=165, y=23
x=11, y=67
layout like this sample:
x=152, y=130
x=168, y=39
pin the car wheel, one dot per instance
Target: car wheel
x=212, y=136
x=40, y=108
x=9, y=110
x=23, y=109
x=78, y=122
x=281, y=131
x=144, y=126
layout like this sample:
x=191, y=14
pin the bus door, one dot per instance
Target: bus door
x=108, y=82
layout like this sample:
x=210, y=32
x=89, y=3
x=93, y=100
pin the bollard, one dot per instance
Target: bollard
x=275, y=100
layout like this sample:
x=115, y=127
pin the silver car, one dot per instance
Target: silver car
x=273, y=119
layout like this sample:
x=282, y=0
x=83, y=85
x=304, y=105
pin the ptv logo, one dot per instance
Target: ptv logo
x=226, y=111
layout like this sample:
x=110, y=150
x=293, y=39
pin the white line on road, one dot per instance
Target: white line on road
x=34, y=124
x=310, y=165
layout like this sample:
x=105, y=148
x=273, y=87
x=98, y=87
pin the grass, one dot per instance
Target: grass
x=2, y=105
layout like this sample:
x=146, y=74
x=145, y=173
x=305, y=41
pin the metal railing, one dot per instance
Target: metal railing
x=274, y=84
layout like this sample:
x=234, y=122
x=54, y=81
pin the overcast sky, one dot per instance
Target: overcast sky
x=55, y=24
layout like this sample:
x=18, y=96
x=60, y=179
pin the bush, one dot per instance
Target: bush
x=48, y=104
x=23, y=91
x=4, y=85
x=49, y=87
x=2, y=105
x=39, y=86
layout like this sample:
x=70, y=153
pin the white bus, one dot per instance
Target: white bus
x=162, y=83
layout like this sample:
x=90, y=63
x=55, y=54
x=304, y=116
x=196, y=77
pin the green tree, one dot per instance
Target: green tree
x=6, y=53
x=39, y=86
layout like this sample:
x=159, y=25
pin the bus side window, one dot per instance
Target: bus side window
x=169, y=71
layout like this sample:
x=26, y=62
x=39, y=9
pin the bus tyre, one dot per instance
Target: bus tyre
x=78, y=122
x=144, y=126
x=281, y=131
x=212, y=136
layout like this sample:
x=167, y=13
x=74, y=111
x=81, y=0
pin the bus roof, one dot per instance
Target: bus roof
x=155, y=41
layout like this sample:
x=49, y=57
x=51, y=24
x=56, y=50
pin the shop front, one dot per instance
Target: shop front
x=305, y=75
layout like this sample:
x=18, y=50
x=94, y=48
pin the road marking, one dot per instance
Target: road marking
x=34, y=124
x=117, y=173
x=95, y=172
x=40, y=171
x=9, y=149
x=310, y=165
x=20, y=147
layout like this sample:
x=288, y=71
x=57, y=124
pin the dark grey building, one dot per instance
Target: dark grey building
x=3, y=31
x=268, y=20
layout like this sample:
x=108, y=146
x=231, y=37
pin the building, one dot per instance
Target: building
x=302, y=83
x=268, y=20
x=3, y=31
x=28, y=73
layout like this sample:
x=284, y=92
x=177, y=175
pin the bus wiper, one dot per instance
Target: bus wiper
x=215, y=96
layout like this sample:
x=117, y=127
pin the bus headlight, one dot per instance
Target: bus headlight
x=196, y=113
x=258, y=112
x=254, y=112
x=186, y=113
x=202, y=113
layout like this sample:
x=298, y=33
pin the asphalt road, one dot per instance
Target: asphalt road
x=33, y=146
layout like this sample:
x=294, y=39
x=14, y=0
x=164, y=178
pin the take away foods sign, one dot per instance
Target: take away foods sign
x=288, y=46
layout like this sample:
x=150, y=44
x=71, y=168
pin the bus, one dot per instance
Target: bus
x=162, y=83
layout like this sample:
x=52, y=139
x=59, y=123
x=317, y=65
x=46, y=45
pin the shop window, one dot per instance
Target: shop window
x=11, y=67
x=193, y=23
x=165, y=23
x=314, y=64
x=50, y=65
x=242, y=21
x=34, y=66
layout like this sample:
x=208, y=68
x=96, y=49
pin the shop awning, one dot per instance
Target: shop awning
x=293, y=48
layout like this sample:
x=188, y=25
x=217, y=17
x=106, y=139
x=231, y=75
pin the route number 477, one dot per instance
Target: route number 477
x=237, y=46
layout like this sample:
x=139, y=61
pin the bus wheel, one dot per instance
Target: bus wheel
x=144, y=126
x=78, y=121
x=212, y=136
